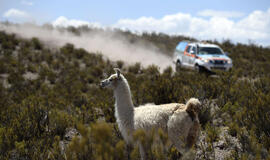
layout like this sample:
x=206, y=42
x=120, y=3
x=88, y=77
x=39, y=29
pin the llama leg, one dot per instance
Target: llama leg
x=143, y=153
x=193, y=133
x=129, y=149
x=177, y=141
x=178, y=128
x=177, y=135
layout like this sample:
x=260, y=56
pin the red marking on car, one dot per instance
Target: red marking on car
x=218, y=59
x=198, y=57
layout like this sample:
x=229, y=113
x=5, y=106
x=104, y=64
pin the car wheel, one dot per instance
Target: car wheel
x=198, y=69
x=178, y=66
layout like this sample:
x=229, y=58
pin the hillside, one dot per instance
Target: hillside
x=49, y=93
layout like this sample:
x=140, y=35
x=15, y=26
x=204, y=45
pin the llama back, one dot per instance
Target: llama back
x=151, y=116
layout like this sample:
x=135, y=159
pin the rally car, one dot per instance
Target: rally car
x=201, y=57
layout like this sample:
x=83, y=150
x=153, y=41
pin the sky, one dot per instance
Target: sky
x=243, y=21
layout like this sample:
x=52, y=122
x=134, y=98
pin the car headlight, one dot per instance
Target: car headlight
x=229, y=61
x=205, y=60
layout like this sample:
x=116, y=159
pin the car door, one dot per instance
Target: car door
x=186, y=55
x=192, y=56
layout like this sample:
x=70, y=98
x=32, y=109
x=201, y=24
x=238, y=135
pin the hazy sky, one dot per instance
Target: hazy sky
x=240, y=21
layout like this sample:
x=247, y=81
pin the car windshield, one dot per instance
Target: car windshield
x=209, y=50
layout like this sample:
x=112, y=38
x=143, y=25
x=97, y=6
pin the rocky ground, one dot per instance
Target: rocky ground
x=224, y=145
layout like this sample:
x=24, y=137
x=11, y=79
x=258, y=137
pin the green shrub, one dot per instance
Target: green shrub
x=36, y=43
x=59, y=121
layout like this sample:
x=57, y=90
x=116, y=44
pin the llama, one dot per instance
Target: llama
x=179, y=121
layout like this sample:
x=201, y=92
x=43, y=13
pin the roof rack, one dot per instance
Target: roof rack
x=204, y=42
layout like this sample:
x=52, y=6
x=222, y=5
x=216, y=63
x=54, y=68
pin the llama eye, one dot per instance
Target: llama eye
x=110, y=80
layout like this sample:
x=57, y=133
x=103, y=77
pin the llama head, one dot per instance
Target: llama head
x=113, y=81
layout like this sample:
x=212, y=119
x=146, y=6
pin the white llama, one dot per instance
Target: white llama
x=178, y=120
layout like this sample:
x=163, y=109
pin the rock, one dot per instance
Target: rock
x=70, y=133
x=220, y=144
x=264, y=153
x=218, y=122
x=214, y=109
x=63, y=146
x=15, y=155
x=30, y=76
x=222, y=149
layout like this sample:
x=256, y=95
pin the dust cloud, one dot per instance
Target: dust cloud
x=113, y=46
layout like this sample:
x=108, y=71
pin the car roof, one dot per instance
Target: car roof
x=204, y=45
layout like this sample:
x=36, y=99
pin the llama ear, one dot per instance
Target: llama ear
x=117, y=70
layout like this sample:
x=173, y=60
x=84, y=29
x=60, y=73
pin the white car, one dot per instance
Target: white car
x=201, y=56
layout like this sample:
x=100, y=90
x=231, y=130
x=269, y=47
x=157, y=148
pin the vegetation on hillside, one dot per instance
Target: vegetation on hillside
x=45, y=92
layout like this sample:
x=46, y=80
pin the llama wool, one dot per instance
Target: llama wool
x=179, y=121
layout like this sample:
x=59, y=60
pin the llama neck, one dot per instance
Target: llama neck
x=124, y=105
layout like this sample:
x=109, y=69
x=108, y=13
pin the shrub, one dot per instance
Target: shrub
x=36, y=43
x=59, y=121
